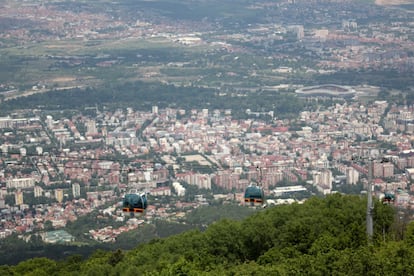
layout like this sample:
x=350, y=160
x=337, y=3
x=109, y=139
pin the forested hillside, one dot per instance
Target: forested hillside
x=320, y=237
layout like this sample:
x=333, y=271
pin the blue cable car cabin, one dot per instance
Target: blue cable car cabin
x=254, y=195
x=134, y=203
x=388, y=198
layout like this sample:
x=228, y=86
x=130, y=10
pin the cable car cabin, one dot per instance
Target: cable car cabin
x=134, y=203
x=388, y=198
x=254, y=195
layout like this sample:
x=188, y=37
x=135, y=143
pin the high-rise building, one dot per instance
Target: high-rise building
x=3, y=192
x=18, y=197
x=76, y=190
x=205, y=112
x=104, y=132
x=352, y=176
x=204, y=181
x=298, y=30
x=377, y=170
x=326, y=178
x=38, y=191
x=59, y=195
x=388, y=169
x=39, y=150
x=323, y=178
x=49, y=121
x=91, y=127
x=4, y=148
x=383, y=170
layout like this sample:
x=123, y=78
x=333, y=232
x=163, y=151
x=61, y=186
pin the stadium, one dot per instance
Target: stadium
x=327, y=90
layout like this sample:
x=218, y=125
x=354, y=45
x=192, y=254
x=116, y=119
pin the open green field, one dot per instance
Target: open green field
x=75, y=63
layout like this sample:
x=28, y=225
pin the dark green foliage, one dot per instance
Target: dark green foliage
x=320, y=237
x=142, y=96
x=129, y=240
x=71, y=264
x=165, y=229
x=385, y=78
x=38, y=266
x=6, y=270
x=209, y=214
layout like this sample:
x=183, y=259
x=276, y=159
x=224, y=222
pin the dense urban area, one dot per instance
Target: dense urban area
x=96, y=159
x=191, y=103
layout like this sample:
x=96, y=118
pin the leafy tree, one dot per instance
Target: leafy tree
x=6, y=270
x=116, y=257
x=9, y=200
x=323, y=236
x=206, y=215
x=409, y=237
x=70, y=265
x=37, y=266
x=48, y=225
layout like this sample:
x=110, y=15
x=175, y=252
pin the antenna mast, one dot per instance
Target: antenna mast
x=370, y=224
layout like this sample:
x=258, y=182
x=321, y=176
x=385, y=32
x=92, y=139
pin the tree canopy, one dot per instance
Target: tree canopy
x=323, y=236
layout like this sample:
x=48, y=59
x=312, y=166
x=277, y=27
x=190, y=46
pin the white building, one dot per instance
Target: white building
x=76, y=190
x=38, y=191
x=20, y=183
x=179, y=189
x=352, y=176
x=91, y=127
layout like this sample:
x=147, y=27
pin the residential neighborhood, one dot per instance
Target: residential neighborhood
x=97, y=159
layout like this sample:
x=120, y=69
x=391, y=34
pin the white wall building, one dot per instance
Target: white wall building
x=352, y=176
x=179, y=189
x=20, y=183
